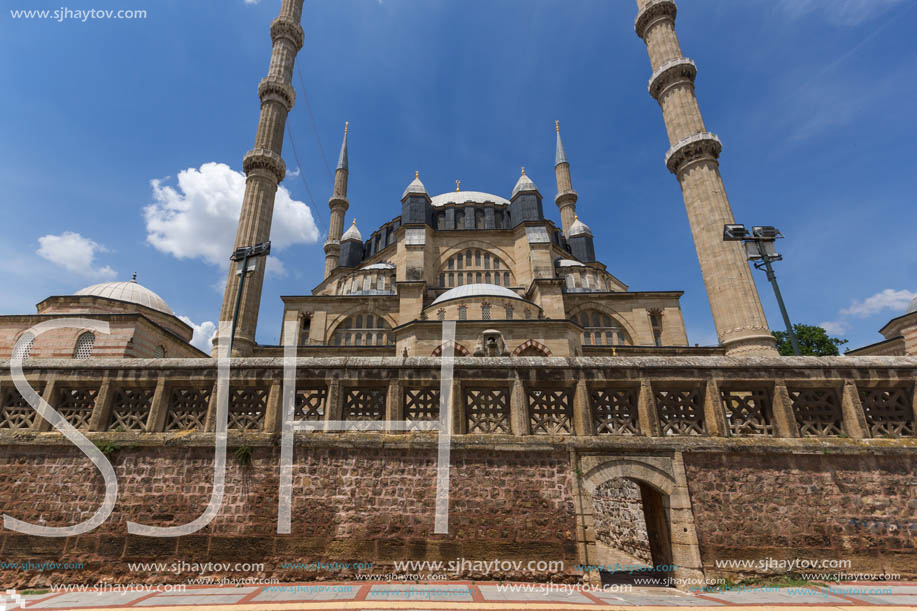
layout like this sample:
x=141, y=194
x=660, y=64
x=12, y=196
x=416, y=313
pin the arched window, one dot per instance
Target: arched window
x=159, y=352
x=23, y=347
x=84, y=344
x=463, y=312
x=485, y=311
x=476, y=266
x=600, y=329
x=363, y=330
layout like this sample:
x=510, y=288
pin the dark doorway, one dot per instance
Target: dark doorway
x=632, y=533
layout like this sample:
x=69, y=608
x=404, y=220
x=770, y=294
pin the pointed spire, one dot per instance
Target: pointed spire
x=353, y=233
x=524, y=184
x=415, y=188
x=343, y=162
x=561, y=156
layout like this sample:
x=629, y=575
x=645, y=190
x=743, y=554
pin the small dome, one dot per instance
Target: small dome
x=415, y=188
x=912, y=307
x=524, y=185
x=130, y=292
x=353, y=233
x=476, y=290
x=579, y=228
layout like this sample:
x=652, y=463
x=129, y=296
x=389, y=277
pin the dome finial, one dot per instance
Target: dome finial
x=134, y=277
x=354, y=221
x=346, y=127
x=416, y=173
x=557, y=126
x=523, y=170
x=458, y=186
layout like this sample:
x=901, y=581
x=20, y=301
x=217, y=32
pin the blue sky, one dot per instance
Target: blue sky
x=122, y=139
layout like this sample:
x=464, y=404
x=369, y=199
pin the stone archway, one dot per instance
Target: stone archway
x=671, y=537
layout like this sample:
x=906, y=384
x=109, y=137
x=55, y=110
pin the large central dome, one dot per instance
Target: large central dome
x=468, y=197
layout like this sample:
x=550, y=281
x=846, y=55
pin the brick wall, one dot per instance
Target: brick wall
x=861, y=508
x=349, y=505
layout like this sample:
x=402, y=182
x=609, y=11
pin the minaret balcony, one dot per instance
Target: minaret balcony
x=693, y=148
x=651, y=12
x=675, y=71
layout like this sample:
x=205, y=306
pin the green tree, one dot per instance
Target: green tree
x=813, y=341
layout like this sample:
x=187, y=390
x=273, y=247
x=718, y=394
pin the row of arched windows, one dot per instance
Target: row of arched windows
x=82, y=350
x=475, y=267
x=600, y=329
x=363, y=330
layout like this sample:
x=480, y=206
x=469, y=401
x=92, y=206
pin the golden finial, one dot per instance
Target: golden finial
x=346, y=127
x=417, y=174
x=557, y=126
x=523, y=170
x=458, y=186
x=354, y=221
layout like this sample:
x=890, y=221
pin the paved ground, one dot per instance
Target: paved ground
x=465, y=595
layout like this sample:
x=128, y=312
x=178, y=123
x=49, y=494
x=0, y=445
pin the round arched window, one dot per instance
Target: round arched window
x=363, y=330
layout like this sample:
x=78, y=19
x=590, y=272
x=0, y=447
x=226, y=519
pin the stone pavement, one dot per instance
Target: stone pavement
x=466, y=595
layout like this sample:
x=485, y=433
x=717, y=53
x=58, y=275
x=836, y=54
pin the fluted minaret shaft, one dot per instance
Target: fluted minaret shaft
x=338, y=205
x=264, y=169
x=693, y=158
x=566, y=197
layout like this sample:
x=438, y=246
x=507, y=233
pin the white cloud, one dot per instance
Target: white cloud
x=889, y=299
x=838, y=327
x=203, y=334
x=841, y=12
x=294, y=173
x=252, y=1
x=74, y=253
x=197, y=218
x=275, y=267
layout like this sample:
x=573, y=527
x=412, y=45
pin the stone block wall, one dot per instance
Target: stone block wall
x=369, y=505
x=861, y=508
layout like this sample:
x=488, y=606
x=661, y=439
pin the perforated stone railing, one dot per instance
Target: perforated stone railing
x=602, y=397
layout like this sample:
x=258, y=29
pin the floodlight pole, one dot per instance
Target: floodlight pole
x=243, y=255
x=773, y=280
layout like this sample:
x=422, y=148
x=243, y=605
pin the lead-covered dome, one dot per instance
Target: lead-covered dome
x=468, y=197
x=131, y=292
x=476, y=290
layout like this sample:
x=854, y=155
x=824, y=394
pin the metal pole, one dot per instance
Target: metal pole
x=786, y=317
x=235, y=313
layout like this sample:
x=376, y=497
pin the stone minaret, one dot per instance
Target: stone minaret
x=264, y=169
x=338, y=205
x=566, y=197
x=737, y=313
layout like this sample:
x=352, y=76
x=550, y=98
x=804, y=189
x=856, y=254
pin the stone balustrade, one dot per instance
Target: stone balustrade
x=542, y=398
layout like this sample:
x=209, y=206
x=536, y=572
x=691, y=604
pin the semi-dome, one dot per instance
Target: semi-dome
x=468, y=197
x=131, y=292
x=353, y=233
x=913, y=306
x=568, y=263
x=377, y=266
x=476, y=290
